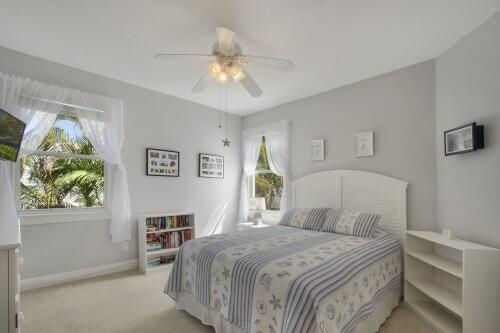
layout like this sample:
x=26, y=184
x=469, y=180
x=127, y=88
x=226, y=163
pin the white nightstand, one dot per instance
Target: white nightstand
x=250, y=225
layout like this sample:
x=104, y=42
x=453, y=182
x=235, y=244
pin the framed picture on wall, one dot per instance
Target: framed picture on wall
x=318, y=150
x=161, y=162
x=463, y=139
x=364, y=144
x=210, y=166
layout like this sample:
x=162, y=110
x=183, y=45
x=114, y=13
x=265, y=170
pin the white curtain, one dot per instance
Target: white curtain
x=102, y=122
x=28, y=101
x=251, y=145
x=277, y=145
x=37, y=104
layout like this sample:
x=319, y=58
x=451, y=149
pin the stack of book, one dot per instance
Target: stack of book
x=153, y=246
x=154, y=262
x=166, y=222
x=160, y=261
x=175, y=239
x=167, y=240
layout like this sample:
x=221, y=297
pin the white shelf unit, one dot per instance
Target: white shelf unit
x=165, y=224
x=452, y=284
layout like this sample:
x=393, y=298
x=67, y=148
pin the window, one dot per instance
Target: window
x=65, y=172
x=265, y=184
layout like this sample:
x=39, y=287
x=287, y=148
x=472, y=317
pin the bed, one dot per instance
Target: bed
x=287, y=279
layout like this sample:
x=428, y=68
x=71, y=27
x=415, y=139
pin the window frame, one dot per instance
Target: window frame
x=58, y=215
x=268, y=215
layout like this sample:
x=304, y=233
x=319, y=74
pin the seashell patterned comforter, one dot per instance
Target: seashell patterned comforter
x=285, y=279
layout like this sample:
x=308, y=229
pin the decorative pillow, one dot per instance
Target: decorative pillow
x=351, y=222
x=305, y=218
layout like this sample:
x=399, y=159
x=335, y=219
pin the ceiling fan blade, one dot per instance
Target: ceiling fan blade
x=250, y=85
x=201, y=85
x=226, y=39
x=272, y=63
x=172, y=56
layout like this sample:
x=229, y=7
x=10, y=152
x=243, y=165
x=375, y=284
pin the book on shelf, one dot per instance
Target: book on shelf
x=154, y=262
x=167, y=222
x=153, y=246
x=160, y=261
x=167, y=240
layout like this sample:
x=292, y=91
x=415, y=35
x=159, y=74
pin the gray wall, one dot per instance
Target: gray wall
x=398, y=106
x=151, y=120
x=468, y=89
x=408, y=109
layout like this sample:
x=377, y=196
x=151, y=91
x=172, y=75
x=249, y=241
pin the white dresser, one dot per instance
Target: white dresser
x=452, y=284
x=10, y=314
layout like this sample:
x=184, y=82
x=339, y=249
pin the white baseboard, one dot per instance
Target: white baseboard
x=53, y=279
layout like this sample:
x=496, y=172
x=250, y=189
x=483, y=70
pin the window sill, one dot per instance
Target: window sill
x=268, y=216
x=77, y=215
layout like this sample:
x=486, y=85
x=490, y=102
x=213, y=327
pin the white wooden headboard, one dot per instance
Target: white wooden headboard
x=363, y=190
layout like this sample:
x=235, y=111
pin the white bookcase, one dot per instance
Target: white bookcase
x=168, y=231
x=452, y=284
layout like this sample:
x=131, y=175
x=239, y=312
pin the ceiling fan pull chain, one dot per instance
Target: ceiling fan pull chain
x=226, y=142
x=220, y=105
x=226, y=111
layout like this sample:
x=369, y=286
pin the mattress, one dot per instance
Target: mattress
x=284, y=279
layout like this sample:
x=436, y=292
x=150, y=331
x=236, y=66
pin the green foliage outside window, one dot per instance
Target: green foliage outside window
x=49, y=181
x=267, y=184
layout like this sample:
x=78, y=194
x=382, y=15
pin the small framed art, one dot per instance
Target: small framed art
x=364, y=144
x=161, y=162
x=210, y=166
x=463, y=139
x=318, y=150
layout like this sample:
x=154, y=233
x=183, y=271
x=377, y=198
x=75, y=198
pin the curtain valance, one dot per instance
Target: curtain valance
x=267, y=129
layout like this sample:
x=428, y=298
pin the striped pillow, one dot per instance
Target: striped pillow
x=351, y=222
x=305, y=218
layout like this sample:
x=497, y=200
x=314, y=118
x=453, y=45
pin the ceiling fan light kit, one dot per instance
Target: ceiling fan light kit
x=227, y=63
x=225, y=72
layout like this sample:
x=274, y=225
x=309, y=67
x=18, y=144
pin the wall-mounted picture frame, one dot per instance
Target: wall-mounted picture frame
x=364, y=144
x=318, y=150
x=160, y=162
x=463, y=139
x=210, y=166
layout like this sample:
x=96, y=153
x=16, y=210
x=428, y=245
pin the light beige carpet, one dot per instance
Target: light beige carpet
x=134, y=303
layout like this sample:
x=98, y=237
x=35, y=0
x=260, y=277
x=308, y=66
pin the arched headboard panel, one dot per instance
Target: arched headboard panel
x=363, y=190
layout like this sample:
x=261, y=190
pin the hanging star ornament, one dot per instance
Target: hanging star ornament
x=226, y=142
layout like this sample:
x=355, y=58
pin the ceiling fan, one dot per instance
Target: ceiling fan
x=227, y=63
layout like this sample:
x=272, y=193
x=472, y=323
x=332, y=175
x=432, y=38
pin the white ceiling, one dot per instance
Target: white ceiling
x=332, y=42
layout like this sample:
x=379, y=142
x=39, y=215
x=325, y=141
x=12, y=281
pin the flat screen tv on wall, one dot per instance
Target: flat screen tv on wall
x=11, y=136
